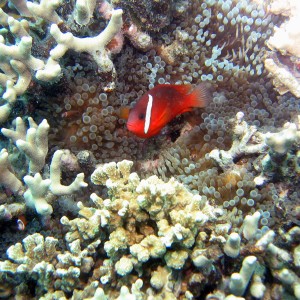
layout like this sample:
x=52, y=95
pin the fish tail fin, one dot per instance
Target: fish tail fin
x=200, y=96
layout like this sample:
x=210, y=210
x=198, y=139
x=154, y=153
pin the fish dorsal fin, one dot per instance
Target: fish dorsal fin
x=184, y=89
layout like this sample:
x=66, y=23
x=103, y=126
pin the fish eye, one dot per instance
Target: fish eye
x=141, y=116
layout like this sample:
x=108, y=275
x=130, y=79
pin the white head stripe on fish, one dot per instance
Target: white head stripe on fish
x=148, y=114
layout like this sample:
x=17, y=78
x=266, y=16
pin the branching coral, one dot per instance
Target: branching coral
x=241, y=145
x=8, y=179
x=131, y=242
x=95, y=46
x=46, y=10
x=285, y=79
x=281, y=147
x=285, y=37
x=39, y=260
x=35, y=258
x=18, y=62
x=34, y=143
x=84, y=11
x=177, y=213
x=282, y=158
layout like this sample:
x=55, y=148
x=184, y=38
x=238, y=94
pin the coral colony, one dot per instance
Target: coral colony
x=208, y=208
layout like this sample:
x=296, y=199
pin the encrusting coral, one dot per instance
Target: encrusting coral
x=206, y=209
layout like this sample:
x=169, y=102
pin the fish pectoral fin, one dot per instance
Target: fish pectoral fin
x=165, y=118
x=161, y=120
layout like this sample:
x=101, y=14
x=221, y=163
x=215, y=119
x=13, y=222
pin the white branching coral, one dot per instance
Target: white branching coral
x=46, y=10
x=26, y=258
x=250, y=225
x=281, y=142
x=78, y=257
x=93, y=45
x=38, y=259
x=280, y=160
x=41, y=191
x=88, y=226
x=239, y=281
x=21, y=7
x=17, y=62
x=116, y=176
x=7, y=177
x=246, y=140
x=84, y=11
x=233, y=244
x=125, y=220
x=275, y=150
x=37, y=192
x=33, y=142
x=150, y=246
x=55, y=176
x=177, y=213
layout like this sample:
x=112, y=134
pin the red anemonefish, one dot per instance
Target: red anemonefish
x=163, y=103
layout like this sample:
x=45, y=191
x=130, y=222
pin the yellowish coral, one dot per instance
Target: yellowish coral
x=150, y=246
x=176, y=259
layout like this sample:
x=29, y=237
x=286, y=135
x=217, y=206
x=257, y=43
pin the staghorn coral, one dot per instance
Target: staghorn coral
x=94, y=46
